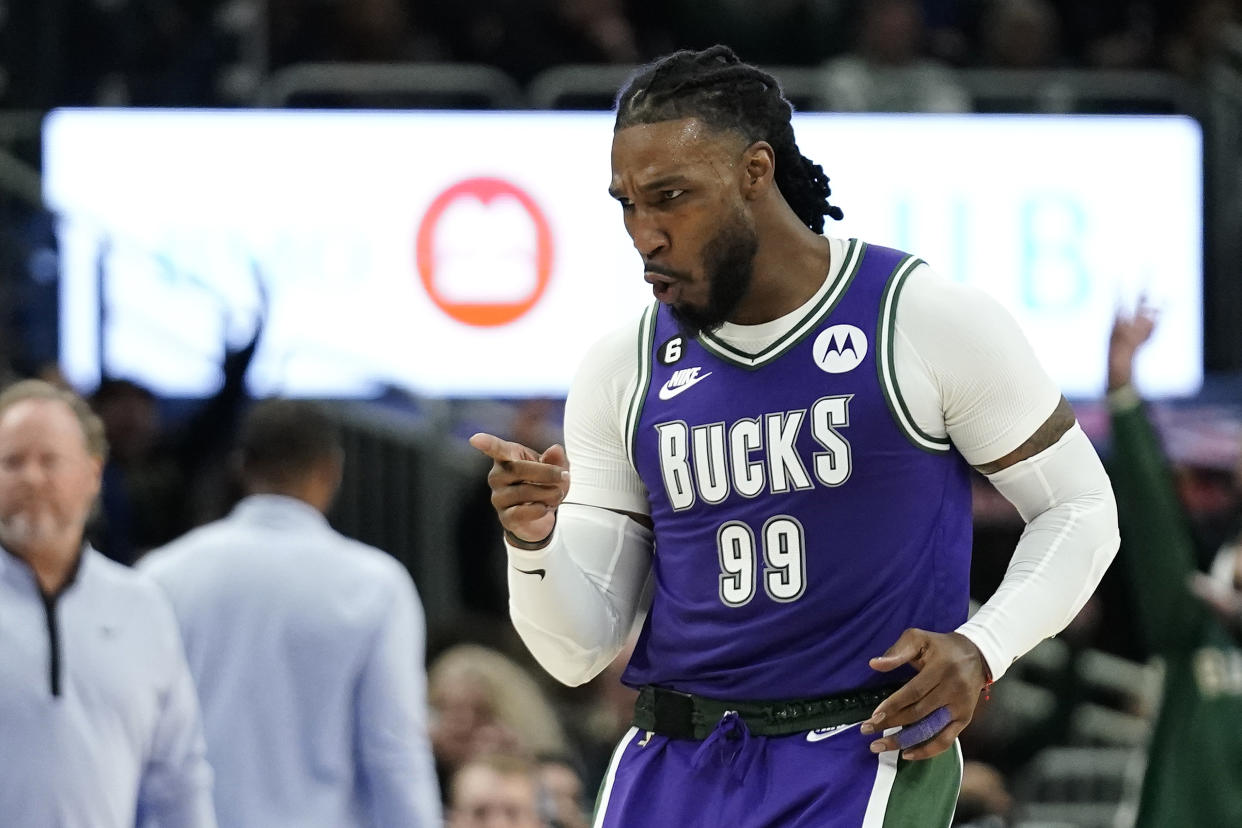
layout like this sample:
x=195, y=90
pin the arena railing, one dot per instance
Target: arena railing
x=594, y=86
x=385, y=85
x=1045, y=90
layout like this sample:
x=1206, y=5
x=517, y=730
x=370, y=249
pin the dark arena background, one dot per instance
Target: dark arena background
x=399, y=208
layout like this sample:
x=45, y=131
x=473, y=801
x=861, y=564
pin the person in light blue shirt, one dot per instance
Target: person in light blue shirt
x=307, y=647
x=99, y=724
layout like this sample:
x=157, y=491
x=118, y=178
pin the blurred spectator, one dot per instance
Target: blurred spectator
x=951, y=26
x=143, y=500
x=482, y=703
x=1109, y=34
x=351, y=30
x=599, y=725
x=162, y=482
x=778, y=32
x=561, y=792
x=494, y=791
x=99, y=724
x=603, y=27
x=1221, y=590
x=121, y=52
x=1197, y=35
x=329, y=629
x=887, y=71
x=984, y=800
x=524, y=37
x=1194, y=769
x=1020, y=34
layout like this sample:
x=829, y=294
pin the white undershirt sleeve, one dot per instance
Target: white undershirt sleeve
x=575, y=613
x=1064, y=495
x=966, y=372
x=575, y=601
x=600, y=472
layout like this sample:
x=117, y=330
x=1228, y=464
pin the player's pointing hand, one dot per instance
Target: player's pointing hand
x=935, y=705
x=527, y=487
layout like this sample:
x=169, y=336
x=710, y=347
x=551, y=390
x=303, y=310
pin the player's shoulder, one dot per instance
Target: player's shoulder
x=926, y=293
x=618, y=347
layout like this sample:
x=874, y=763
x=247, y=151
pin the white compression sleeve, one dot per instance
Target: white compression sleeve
x=1064, y=495
x=574, y=601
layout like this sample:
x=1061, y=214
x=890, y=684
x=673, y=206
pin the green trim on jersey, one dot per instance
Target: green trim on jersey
x=886, y=365
x=634, y=411
x=853, y=257
x=924, y=793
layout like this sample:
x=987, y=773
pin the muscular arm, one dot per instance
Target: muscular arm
x=990, y=386
x=1046, y=436
x=575, y=601
x=979, y=382
x=575, y=590
x=1056, y=481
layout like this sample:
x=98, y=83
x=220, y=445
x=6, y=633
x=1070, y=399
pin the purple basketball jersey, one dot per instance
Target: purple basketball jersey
x=802, y=520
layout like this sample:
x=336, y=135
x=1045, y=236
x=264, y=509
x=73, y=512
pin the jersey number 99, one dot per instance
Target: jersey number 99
x=784, y=561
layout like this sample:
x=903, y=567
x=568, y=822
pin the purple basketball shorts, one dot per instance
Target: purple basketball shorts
x=820, y=779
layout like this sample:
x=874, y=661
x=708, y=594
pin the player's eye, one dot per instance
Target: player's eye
x=669, y=195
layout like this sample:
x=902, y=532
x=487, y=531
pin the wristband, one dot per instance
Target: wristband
x=526, y=546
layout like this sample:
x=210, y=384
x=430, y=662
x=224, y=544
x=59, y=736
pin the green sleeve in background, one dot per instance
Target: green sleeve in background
x=1157, y=550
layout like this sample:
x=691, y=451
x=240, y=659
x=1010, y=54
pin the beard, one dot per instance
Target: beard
x=30, y=528
x=729, y=263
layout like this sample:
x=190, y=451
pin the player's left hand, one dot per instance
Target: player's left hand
x=951, y=674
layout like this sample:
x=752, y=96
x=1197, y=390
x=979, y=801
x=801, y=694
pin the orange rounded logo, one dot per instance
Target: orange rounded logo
x=484, y=252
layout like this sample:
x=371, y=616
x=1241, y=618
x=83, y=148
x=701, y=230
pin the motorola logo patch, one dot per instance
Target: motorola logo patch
x=839, y=349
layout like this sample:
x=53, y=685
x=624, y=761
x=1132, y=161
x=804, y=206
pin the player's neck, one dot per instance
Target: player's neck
x=790, y=266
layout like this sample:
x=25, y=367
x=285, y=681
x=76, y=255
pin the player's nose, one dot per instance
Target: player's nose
x=649, y=238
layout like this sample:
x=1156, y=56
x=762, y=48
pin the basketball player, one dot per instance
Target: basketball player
x=778, y=453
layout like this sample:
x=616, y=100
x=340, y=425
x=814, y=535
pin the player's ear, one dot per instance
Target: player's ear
x=758, y=169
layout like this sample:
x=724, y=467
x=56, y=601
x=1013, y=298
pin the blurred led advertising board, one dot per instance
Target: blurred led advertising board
x=478, y=253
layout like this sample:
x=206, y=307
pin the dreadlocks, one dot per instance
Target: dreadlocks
x=717, y=88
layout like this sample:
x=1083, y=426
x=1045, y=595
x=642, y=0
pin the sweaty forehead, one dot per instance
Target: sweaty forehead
x=645, y=151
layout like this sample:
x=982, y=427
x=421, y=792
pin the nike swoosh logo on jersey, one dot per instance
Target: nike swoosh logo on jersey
x=826, y=732
x=540, y=572
x=681, y=381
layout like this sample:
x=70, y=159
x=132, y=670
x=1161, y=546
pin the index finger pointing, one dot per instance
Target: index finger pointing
x=502, y=450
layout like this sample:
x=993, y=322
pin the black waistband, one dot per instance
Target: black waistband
x=686, y=716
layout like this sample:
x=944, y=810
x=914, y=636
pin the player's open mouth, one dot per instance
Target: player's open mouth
x=664, y=288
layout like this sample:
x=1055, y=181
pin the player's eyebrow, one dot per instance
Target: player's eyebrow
x=671, y=181
x=664, y=182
